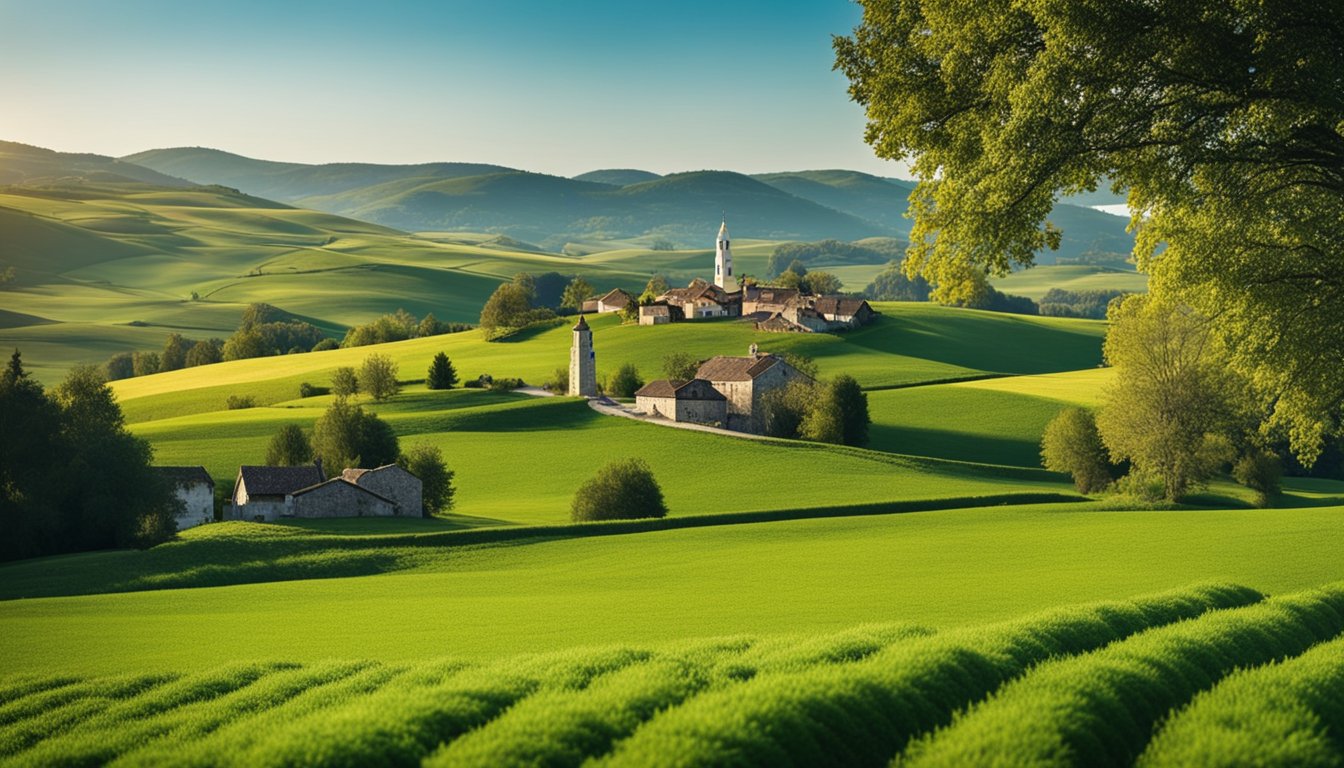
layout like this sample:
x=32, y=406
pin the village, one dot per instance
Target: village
x=726, y=392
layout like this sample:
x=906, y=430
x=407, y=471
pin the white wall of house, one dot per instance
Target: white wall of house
x=198, y=505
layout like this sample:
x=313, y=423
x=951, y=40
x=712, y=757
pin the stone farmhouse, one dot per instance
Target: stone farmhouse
x=784, y=310
x=726, y=391
x=265, y=494
x=614, y=301
x=196, y=490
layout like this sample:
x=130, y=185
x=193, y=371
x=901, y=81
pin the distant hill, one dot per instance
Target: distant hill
x=24, y=164
x=291, y=182
x=879, y=200
x=619, y=177
x=606, y=204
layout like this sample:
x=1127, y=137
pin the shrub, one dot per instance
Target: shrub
x=326, y=344
x=680, y=366
x=784, y=409
x=442, y=374
x=120, y=366
x=426, y=463
x=1072, y=445
x=622, y=490
x=505, y=384
x=239, y=402
x=310, y=390
x=625, y=382
x=289, y=448
x=559, y=382
x=344, y=382
x=1260, y=471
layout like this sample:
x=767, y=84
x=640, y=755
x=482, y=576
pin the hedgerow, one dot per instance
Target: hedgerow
x=1100, y=708
x=1289, y=713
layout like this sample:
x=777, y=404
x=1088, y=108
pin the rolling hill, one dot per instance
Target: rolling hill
x=604, y=204
x=24, y=164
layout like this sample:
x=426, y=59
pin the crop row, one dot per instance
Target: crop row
x=849, y=698
x=1100, y=708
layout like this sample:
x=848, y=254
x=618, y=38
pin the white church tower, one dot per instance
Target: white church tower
x=723, y=261
x=582, y=362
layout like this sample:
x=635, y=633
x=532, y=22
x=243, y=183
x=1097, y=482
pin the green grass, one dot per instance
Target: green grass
x=1034, y=283
x=847, y=697
x=941, y=569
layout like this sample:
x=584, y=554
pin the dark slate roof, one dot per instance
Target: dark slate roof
x=582, y=325
x=769, y=295
x=347, y=483
x=839, y=305
x=702, y=289
x=695, y=389
x=735, y=368
x=278, y=481
x=186, y=475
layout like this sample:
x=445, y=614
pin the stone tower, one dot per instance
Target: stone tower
x=723, y=261
x=582, y=365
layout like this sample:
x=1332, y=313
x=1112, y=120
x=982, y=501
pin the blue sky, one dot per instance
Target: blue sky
x=558, y=87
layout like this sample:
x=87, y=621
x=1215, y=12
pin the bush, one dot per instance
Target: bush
x=344, y=382
x=1260, y=471
x=442, y=374
x=558, y=383
x=680, y=366
x=119, y=366
x=326, y=344
x=426, y=463
x=1072, y=445
x=239, y=402
x=623, y=490
x=310, y=390
x=505, y=384
x=625, y=382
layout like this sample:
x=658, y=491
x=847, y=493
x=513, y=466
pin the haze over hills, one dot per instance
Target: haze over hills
x=26, y=164
x=600, y=204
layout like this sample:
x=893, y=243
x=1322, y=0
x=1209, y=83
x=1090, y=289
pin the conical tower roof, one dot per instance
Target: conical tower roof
x=582, y=324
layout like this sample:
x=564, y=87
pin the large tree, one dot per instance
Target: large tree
x=1223, y=119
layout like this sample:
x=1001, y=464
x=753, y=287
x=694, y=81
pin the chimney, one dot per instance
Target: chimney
x=754, y=351
x=318, y=463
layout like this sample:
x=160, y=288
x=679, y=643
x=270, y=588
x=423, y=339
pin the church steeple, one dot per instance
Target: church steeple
x=723, y=260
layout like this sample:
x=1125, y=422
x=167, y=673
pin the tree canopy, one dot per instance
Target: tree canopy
x=1223, y=120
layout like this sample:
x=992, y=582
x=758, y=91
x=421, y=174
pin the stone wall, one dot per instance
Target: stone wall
x=257, y=510
x=339, y=499
x=392, y=482
x=702, y=411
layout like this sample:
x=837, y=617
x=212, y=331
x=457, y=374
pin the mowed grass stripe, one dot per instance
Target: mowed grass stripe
x=861, y=714
x=1289, y=713
x=1100, y=708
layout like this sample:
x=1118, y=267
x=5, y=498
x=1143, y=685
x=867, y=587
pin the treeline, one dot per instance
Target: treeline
x=875, y=251
x=399, y=326
x=72, y=478
x=267, y=331
x=1058, y=302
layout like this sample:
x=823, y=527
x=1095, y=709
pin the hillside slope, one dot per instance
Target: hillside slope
x=24, y=164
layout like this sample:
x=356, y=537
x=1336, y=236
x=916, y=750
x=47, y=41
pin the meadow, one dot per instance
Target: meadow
x=867, y=695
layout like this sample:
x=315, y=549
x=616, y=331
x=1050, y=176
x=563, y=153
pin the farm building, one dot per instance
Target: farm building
x=659, y=314
x=695, y=401
x=702, y=299
x=260, y=493
x=843, y=311
x=196, y=490
x=338, y=497
x=738, y=385
x=392, y=482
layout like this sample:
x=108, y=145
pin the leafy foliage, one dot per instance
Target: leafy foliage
x=1058, y=302
x=289, y=448
x=577, y=292
x=348, y=436
x=892, y=284
x=378, y=376
x=398, y=326
x=625, y=381
x=622, y=490
x=680, y=366
x=344, y=382
x=1071, y=444
x=426, y=463
x=1232, y=162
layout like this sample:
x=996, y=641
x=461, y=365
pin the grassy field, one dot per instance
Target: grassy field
x=1090, y=677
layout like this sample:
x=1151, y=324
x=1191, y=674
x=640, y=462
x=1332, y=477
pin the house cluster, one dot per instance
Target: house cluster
x=781, y=310
x=264, y=494
x=726, y=391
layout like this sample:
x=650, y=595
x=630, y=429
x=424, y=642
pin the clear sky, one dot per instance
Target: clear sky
x=558, y=86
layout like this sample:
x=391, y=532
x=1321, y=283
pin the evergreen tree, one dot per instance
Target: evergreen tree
x=442, y=374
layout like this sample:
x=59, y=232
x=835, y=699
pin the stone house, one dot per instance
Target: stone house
x=744, y=381
x=338, y=497
x=702, y=299
x=659, y=314
x=614, y=301
x=695, y=401
x=394, y=483
x=260, y=493
x=843, y=311
x=195, y=488
x=768, y=300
